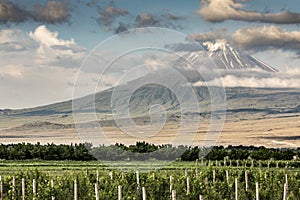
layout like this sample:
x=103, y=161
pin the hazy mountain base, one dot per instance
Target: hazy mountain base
x=268, y=117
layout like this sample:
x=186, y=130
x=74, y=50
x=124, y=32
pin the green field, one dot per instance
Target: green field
x=204, y=178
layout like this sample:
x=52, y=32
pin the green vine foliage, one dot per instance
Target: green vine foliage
x=271, y=184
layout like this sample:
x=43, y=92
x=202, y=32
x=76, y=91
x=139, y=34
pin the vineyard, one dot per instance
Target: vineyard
x=182, y=180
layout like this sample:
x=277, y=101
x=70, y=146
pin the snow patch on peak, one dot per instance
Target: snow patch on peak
x=215, y=46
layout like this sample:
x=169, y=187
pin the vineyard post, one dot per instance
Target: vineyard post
x=138, y=178
x=173, y=194
x=287, y=164
x=111, y=175
x=206, y=180
x=97, y=176
x=246, y=180
x=217, y=163
x=227, y=177
x=171, y=185
x=96, y=191
x=252, y=163
x=214, y=176
x=286, y=181
x=75, y=190
x=202, y=162
x=277, y=164
x=119, y=192
x=14, y=186
x=201, y=197
x=197, y=168
x=23, y=189
x=144, y=193
x=285, y=191
x=236, y=189
x=1, y=188
x=34, y=188
x=259, y=163
x=225, y=162
x=230, y=163
x=122, y=175
x=188, y=185
x=153, y=176
x=237, y=163
x=185, y=172
x=257, y=191
x=52, y=185
x=268, y=164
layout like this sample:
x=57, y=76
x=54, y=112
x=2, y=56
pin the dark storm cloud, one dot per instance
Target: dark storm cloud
x=10, y=12
x=146, y=19
x=222, y=10
x=121, y=28
x=109, y=14
x=53, y=12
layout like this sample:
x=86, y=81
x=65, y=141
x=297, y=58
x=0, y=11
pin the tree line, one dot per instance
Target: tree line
x=140, y=151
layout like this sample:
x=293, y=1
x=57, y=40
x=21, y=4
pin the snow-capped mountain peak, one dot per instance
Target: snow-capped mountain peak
x=226, y=57
x=219, y=45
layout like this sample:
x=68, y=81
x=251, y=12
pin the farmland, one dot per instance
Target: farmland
x=101, y=180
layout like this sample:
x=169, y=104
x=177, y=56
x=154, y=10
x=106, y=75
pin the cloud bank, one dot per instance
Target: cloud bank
x=256, y=38
x=222, y=10
x=289, y=79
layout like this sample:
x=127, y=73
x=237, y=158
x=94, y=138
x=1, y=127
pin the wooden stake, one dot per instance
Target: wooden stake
x=1, y=188
x=171, y=185
x=119, y=192
x=257, y=191
x=23, y=189
x=227, y=177
x=286, y=181
x=137, y=178
x=96, y=191
x=173, y=194
x=246, y=181
x=214, y=176
x=75, y=190
x=111, y=175
x=52, y=186
x=236, y=189
x=201, y=197
x=144, y=193
x=285, y=192
x=14, y=187
x=34, y=188
x=188, y=185
x=97, y=176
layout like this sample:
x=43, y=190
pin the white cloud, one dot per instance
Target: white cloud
x=256, y=39
x=37, y=67
x=290, y=79
x=221, y=10
x=266, y=37
x=44, y=36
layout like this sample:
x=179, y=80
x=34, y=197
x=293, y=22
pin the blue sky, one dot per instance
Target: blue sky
x=43, y=43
